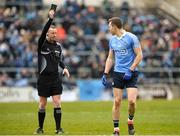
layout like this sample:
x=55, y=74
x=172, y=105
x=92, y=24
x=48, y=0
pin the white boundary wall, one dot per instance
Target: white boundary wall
x=29, y=94
x=16, y=94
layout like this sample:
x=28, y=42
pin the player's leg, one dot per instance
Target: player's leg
x=132, y=95
x=41, y=114
x=116, y=109
x=132, y=92
x=118, y=85
x=57, y=113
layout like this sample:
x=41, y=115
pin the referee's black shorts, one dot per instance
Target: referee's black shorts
x=49, y=85
x=119, y=82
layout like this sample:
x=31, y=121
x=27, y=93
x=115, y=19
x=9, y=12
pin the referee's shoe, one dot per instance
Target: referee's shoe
x=39, y=131
x=59, y=131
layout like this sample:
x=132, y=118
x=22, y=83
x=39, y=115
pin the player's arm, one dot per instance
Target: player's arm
x=109, y=61
x=138, y=58
x=108, y=66
x=138, y=52
x=46, y=28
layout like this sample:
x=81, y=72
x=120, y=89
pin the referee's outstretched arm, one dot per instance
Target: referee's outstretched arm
x=45, y=29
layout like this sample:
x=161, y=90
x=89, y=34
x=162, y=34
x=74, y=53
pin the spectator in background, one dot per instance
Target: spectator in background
x=20, y=26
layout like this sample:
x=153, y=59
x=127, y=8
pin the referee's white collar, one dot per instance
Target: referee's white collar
x=124, y=33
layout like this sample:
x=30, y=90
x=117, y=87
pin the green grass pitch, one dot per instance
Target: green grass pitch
x=157, y=117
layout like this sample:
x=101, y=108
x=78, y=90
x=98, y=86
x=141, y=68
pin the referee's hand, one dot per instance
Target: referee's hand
x=66, y=72
x=51, y=14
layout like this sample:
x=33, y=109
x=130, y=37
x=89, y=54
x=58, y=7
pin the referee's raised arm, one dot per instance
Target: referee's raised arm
x=46, y=28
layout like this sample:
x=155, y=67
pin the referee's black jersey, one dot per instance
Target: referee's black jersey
x=49, y=54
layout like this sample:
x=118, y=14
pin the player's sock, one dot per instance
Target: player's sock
x=116, y=123
x=131, y=129
x=131, y=117
x=41, y=117
x=57, y=117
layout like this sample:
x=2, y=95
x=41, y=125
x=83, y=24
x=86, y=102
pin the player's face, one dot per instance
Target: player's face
x=52, y=34
x=111, y=28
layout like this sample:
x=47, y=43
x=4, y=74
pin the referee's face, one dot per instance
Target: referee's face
x=52, y=34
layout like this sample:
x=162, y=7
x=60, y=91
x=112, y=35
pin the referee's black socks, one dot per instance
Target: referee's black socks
x=41, y=117
x=57, y=117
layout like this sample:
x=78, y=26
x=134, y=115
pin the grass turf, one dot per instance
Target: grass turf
x=157, y=117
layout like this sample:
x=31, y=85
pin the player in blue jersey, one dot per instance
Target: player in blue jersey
x=125, y=54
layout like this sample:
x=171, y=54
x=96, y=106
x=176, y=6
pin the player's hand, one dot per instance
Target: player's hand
x=66, y=72
x=51, y=14
x=104, y=80
x=128, y=74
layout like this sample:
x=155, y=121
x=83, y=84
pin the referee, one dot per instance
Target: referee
x=49, y=81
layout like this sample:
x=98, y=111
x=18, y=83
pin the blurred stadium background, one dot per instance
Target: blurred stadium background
x=83, y=32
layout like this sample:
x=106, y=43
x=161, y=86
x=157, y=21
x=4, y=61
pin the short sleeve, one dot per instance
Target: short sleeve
x=136, y=42
x=110, y=44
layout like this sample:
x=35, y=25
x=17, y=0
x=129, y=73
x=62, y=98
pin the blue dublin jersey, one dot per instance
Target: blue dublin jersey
x=123, y=48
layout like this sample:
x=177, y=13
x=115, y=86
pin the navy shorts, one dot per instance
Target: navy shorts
x=48, y=86
x=119, y=82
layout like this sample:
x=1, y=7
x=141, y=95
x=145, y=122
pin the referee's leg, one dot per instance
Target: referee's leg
x=42, y=110
x=57, y=113
x=41, y=114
